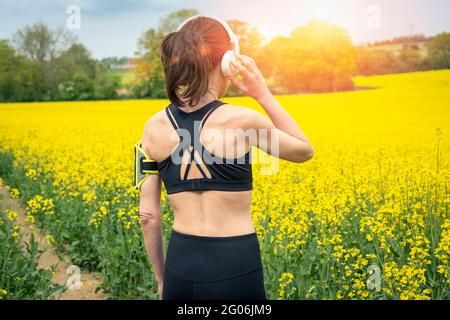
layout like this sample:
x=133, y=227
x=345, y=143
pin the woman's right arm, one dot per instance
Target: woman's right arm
x=284, y=139
x=150, y=216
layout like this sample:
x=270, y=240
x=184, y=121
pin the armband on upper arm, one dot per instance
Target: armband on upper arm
x=143, y=165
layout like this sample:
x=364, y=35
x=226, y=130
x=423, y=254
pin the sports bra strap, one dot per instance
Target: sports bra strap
x=172, y=118
x=207, y=116
x=181, y=119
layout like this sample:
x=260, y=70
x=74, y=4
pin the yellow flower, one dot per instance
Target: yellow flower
x=286, y=289
x=11, y=215
x=15, y=193
x=31, y=174
x=49, y=239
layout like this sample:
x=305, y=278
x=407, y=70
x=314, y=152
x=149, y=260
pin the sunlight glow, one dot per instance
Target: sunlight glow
x=325, y=10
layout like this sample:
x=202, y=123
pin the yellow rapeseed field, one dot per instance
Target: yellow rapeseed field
x=366, y=218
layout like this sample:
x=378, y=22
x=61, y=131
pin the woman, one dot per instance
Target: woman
x=213, y=252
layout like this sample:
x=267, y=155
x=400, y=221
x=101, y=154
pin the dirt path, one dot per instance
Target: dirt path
x=89, y=281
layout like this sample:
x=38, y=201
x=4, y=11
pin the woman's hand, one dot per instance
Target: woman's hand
x=254, y=85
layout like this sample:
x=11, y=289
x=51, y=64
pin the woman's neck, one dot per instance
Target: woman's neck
x=202, y=101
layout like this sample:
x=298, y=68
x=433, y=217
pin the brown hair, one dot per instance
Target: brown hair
x=189, y=56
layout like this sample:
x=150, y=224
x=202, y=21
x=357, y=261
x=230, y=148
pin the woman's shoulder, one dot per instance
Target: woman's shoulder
x=235, y=109
x=156, y=122
x=153, y=129
x=156, y=119
x=243, y=117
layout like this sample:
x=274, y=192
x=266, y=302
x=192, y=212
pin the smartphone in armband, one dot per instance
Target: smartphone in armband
x=143, y=165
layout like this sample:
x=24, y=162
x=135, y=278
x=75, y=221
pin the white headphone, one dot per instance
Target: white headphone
x=225, y=64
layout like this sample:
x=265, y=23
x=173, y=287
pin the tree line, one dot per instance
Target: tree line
x=44, y=64
x=401, y=40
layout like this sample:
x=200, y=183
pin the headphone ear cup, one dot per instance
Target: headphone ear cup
x=227, y=68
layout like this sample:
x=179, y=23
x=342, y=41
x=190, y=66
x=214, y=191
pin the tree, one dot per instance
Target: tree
x=39, y=42
x=8, y=65
x=375, y=61
x=274, y=50
x=106, y=84
x=250, y=39
x=411, y=60
x=439, y=51
x=77, y=59
x=42, y=44
x=19, y=78
x=82, y=78
x=317, y=57
x=149, y=75
x=77, y=73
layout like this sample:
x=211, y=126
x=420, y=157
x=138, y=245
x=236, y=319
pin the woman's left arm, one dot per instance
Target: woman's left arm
x=150, y=216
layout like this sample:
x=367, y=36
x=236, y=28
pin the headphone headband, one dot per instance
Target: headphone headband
x=233, y=38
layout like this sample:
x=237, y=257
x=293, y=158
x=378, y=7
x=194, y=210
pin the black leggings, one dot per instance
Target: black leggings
x=201, y=267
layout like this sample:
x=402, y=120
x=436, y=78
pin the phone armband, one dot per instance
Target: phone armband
x=143, y=165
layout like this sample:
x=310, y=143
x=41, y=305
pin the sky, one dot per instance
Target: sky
x=112, y=27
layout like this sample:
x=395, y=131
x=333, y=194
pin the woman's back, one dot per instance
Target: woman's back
x=205, y=212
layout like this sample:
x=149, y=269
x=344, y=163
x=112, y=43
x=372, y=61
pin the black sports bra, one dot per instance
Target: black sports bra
x=213, y=172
